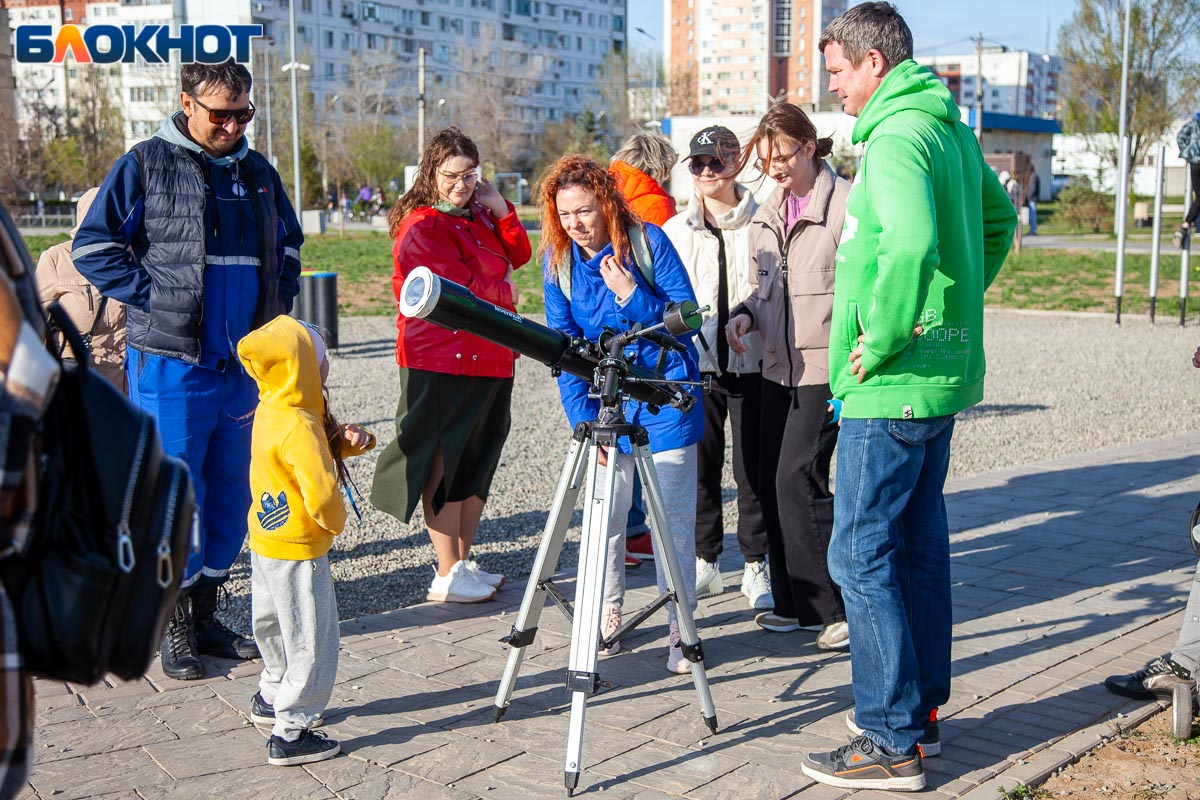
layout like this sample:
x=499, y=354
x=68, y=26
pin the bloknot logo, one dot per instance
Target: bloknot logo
x=110, y=44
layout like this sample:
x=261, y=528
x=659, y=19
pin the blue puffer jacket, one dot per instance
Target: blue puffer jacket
x=593, y=308
x=201, y=249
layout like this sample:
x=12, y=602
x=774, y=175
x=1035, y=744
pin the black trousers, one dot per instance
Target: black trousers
x=796, y=447
x=735, y=397
x=1194, y=208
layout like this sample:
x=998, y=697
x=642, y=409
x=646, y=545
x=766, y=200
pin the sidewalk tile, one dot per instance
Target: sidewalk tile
x=457, y=759
x=104, y=773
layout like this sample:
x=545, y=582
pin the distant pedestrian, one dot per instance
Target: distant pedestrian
x=297, y=477
x=1189, y=151
x=927, y=229
x=1033, y=189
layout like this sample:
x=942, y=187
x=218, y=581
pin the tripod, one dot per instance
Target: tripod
x=582, y=679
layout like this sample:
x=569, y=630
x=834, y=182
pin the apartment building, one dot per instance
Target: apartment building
x=543, y=60
x=737, y=56
x=1016, y=82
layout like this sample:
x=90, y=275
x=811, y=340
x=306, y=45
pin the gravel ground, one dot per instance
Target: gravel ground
x=1058, y=384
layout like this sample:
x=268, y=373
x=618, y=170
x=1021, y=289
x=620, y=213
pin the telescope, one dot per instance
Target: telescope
x=449, y=305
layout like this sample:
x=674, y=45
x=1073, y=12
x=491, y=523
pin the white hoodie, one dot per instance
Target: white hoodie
x=698, y=249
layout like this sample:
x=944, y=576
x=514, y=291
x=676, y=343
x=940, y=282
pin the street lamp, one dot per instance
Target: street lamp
x=291, y=67
x=653, y=79
x=1122, y=166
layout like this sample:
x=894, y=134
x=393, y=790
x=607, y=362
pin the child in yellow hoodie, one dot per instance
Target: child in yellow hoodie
x=296, y=474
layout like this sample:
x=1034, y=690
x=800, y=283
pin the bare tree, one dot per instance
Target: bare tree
x=1164, y=71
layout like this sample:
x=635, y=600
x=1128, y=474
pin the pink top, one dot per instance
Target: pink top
x=795, y=208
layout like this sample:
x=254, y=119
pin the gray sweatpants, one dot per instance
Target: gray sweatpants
x=296, y=627
x=676, y=471
x=1186, y=652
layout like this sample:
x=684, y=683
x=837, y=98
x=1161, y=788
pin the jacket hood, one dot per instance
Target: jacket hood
x=170, y=131
x=908, y=86
x=737, y=217
x=281, y=358
x=633, y=183
x=81, y=208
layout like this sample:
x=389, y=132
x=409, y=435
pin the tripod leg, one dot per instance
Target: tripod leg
x=525, y=628
x=665, y=546
x=582, y=677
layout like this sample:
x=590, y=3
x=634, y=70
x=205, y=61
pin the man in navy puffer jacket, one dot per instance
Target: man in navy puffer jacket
x=193, y=232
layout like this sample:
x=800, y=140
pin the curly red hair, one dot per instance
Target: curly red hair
x=590, y=175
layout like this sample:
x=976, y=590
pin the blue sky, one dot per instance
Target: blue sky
x=937, y=26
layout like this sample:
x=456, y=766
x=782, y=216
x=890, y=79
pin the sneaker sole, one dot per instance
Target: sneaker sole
x=446, y=597
x=930, y=750
x=779, y=628
x=307, y=758
x=914, y=783
x=712, y=589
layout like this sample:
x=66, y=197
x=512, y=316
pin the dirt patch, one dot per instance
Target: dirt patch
x=1145, y=763
x=371, y=295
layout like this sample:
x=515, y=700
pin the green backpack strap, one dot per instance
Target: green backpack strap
x=640, y=246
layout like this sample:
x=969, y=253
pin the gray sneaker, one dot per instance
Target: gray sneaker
x=834, y=636
x=931, y=742
x=1155, y=681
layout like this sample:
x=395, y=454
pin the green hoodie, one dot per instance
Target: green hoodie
x=927, y=227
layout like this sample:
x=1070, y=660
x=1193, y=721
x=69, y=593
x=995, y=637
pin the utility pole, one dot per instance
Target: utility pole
x=1122, y=167
x=270, y=79
x=292, y=66
x=979, y=88
x=420, y=102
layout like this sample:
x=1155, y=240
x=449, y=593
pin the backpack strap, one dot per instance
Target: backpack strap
x=640, y=247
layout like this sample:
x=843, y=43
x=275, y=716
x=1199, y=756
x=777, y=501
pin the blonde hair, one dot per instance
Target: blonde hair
x=649, y=152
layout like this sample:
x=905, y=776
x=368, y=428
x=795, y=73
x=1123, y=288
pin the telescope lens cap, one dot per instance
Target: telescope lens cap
x=420, y=293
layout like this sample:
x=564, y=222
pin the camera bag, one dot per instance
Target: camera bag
x=105, y=559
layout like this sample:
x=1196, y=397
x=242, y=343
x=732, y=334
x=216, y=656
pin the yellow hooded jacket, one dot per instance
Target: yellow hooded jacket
x=297, y=508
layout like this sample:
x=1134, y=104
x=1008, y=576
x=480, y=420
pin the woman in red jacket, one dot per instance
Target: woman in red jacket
x=455, y=388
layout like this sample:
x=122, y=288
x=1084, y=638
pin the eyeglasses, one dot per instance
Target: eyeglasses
x=697, y=166
x=468, y=178
x=219, y=116
x=763, y=166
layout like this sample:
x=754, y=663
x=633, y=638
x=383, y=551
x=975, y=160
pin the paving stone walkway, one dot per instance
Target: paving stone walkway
x=1064, y=572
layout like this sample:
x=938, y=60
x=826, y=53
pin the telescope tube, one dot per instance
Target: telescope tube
x=449, y=305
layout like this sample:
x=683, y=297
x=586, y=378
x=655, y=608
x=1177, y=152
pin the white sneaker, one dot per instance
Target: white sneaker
x=493, y=579
x=756, y=585
x=835, y=636
x=610, y=623
x=458, y=586
x=708, y=579
x=676, y=663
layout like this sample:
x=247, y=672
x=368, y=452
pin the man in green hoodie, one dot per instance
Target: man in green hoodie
x=927, y=228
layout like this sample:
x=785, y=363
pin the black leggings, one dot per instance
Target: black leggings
x=1194, y=209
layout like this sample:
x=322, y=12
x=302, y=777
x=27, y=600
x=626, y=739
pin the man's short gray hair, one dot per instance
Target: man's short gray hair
x=870, y=26
x=650, y=153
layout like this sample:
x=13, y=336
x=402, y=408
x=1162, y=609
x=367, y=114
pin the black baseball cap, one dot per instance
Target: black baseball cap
x=715, y=140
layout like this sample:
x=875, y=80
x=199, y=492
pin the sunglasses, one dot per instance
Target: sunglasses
x=219, y=116
x=697, y=166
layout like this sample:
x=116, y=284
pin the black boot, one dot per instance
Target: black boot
x=179, y=658
x=212, y=637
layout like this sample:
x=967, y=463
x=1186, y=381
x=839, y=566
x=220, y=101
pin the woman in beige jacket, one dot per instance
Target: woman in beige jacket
x=793, y=240
x=100, y=320
x=712, y=238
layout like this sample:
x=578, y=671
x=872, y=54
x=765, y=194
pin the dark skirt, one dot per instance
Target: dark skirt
x=467, y=417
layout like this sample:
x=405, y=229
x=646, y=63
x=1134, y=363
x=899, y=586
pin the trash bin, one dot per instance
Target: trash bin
x=317, y=303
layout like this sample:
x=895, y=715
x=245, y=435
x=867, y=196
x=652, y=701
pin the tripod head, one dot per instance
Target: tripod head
x=449, y=305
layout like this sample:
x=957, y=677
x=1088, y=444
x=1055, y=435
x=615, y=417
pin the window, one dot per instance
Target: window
x=329, y=39
x=306, y=6
x=782, y=28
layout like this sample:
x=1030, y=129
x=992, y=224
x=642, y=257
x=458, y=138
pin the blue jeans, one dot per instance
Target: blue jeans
x=890, y=554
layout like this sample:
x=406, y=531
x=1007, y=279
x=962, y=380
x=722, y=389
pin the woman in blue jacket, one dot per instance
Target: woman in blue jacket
x=586, y=230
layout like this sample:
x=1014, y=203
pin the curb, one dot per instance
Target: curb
x=1067, y=750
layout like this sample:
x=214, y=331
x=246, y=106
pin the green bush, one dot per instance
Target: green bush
x=1083, y=208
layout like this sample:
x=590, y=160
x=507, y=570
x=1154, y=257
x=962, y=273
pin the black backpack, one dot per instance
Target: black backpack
x=114, y=520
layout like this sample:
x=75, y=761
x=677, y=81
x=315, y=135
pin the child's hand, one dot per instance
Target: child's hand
x=356, y=435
